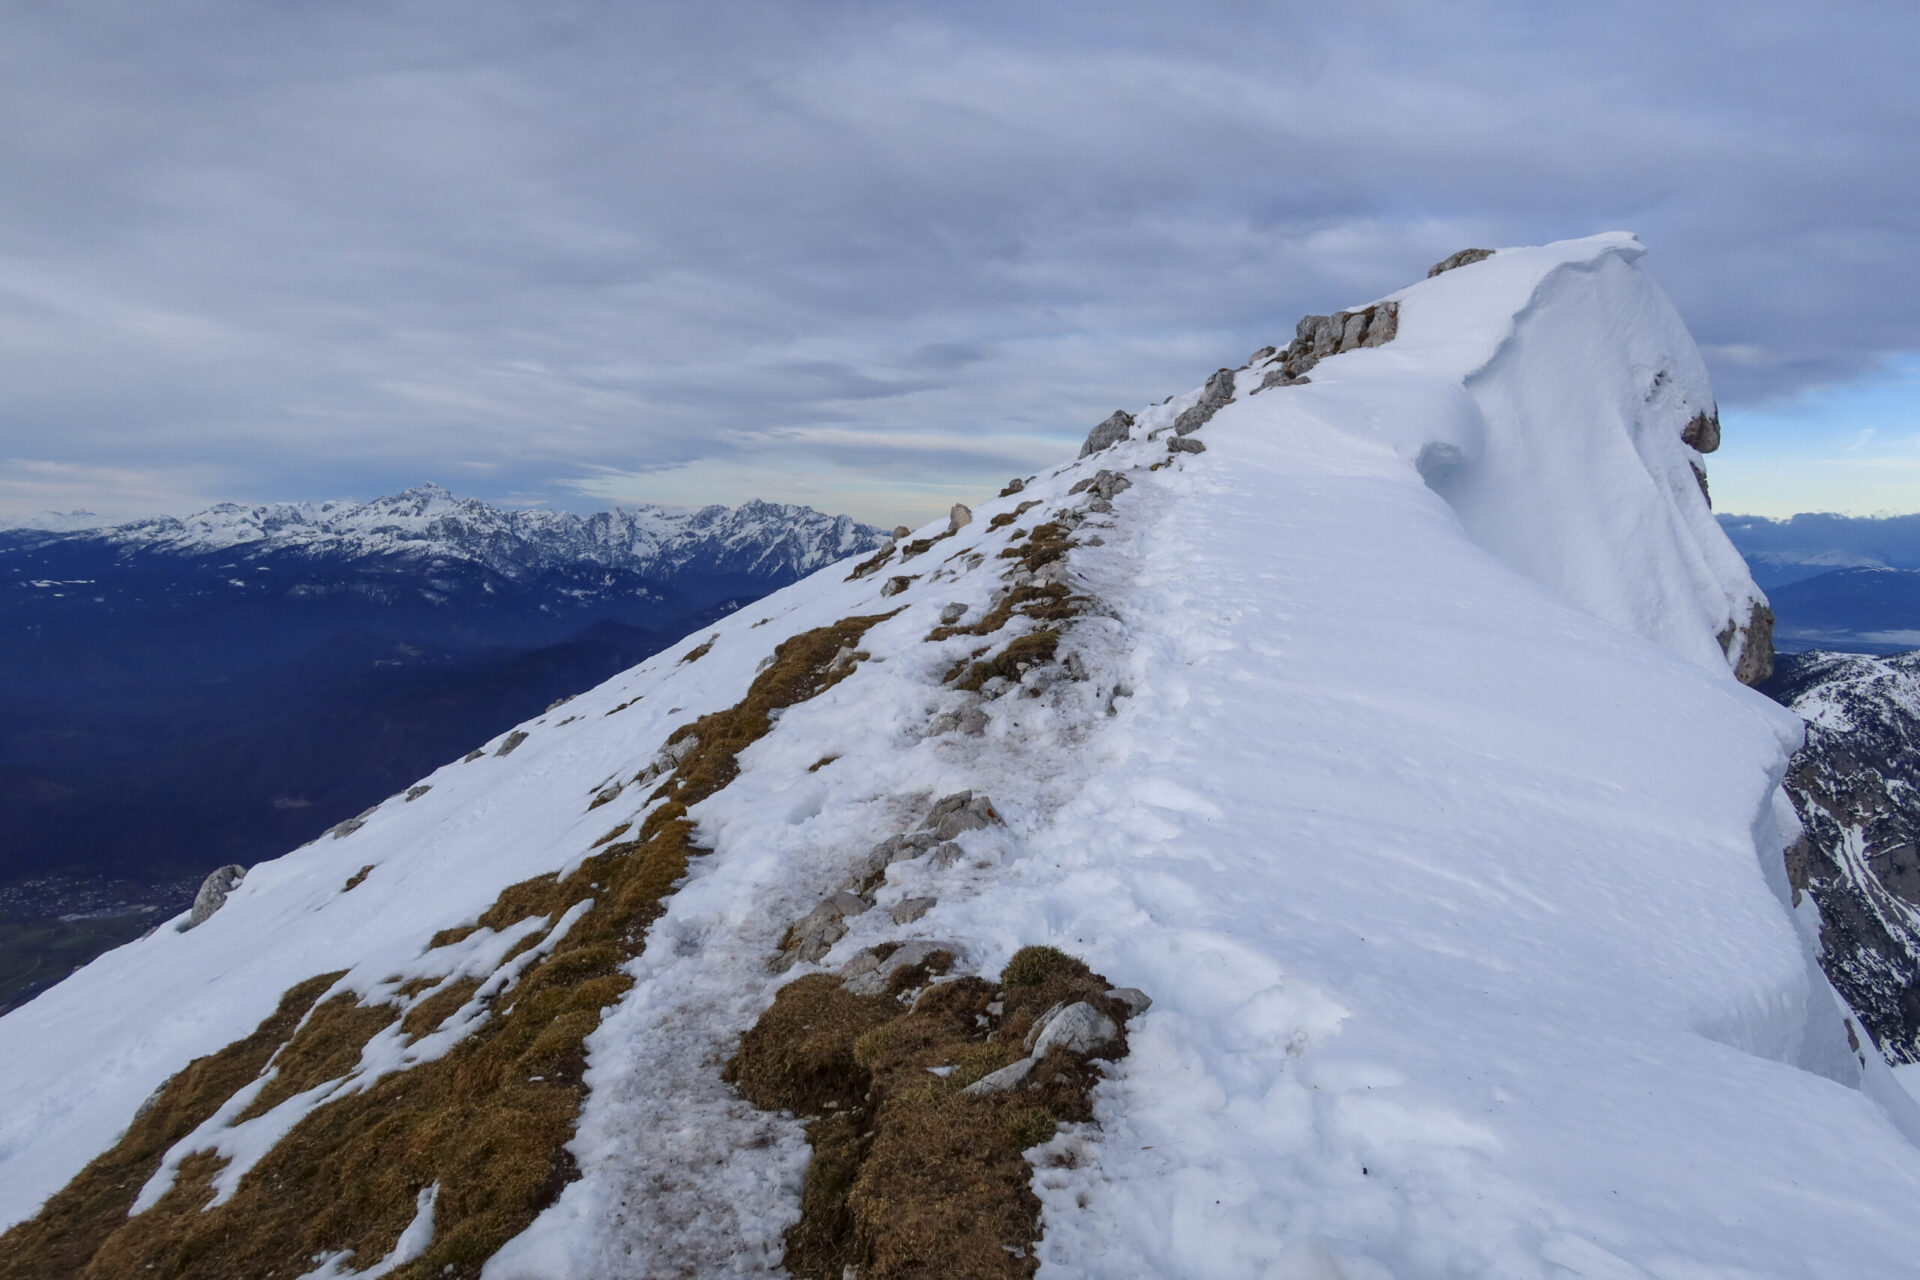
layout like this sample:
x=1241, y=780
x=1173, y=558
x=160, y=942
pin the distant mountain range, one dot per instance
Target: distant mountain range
x=179, y=693
x=1836, y=582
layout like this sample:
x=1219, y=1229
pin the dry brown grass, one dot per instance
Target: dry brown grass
x=353, y=881
x=487, y=1122
x=909, y=1177
x=699, y=651
x=1020, y=654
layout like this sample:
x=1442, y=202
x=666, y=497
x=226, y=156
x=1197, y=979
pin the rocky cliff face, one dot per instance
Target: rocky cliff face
x=1856, y=785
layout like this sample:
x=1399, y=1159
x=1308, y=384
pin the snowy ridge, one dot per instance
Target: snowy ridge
x=764, y=539
x=1395, y=753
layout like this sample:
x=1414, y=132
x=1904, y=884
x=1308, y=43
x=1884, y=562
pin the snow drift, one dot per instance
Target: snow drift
x=1390, y=742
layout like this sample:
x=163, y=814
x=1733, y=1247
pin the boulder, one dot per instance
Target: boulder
x=213, y=893
x=1749, y=648
x=907, y=910
x=961, y=811
x=1180, y=444
x=1136, y=1000
x=1000, y=1081
x=895, y=585
x=1702, y=432
x=825, y=925
x=952, y=614
x=1109, y=433
x=513, y=740
x=1079, y=1028
x=959, y=518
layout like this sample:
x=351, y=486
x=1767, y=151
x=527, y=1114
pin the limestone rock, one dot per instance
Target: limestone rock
x=1136, y=1000
x=825, y=925
x=961, y=811
x=952, y=614
x=959, y=518
x=213, y=893
x=1180, y=444
x=907, y=910
x=414, y=793
x=1702, y=432
x=895, y=585
x=1016, y=484
x=1465, y=257
x=513, y=740
x=973, y=722
x=1000, y=1081
x=1217, y=393
x=1079, y=1028
x=900, y=531
x=1107, y=434
x=875, y=981
x=1749, y=648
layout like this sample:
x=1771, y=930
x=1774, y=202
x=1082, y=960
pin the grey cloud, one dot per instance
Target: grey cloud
x=353, y=244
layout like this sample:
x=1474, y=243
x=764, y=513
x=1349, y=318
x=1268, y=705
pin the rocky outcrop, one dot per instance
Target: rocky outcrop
x=1317, y=337
x=1702, y=432
x=1749, y=647
x=1104, y=436
x=1213, y=397
x=213, y=893
x=1853, y=785
x=1464, y=257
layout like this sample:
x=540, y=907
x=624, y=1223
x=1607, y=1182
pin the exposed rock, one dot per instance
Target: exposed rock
x=952, y=614
x=907, y=910
x=1264, y=353
x=414, y=793
x=961, y=811
x=1007, y=1077
x=1180, y=444
x=1700, y=478
x=959, y=518
x=348, y=826
x=973, y=722
x=1107, y=434
x=472, y=755
x=1465, y=257
x=876, y=980
x=900, y=531
x=1851, y=784
x=513, y=740
x=945, y=855
x=1017, y=485
x=1079, y=1028
x=1136, y=1000
x=1110, y=484
x=213, y=893
x=1100, y=506
x=607, y=795
x=1750, y=648
x=825, y=925
x=1280, y=378
x=1702, y=432
x=895, y=585
x=1217, y=393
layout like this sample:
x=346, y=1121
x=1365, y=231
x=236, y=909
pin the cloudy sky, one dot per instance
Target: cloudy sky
x=879, y=257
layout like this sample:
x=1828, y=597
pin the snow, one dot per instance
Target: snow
x=428, y=523
x=1408, y=780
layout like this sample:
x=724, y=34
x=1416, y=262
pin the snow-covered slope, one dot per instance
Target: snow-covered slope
x=764, y=539
x=1382, y=730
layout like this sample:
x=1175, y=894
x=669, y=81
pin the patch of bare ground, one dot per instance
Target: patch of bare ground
x=911, y=1177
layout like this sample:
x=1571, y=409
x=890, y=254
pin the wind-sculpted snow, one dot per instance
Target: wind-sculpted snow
x=1381, y=732
x=426, y=523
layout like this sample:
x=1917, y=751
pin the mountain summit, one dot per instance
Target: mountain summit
x=1317, y=833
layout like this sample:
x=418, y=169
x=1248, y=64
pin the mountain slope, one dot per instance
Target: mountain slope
x=1857, y=789
x=1371, y=710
